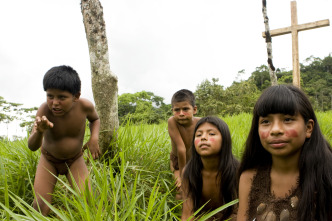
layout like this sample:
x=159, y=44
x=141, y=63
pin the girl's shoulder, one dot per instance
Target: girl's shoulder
x=247, y=176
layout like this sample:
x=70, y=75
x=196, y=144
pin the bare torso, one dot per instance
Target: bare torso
x=65, y=139
x=210, y=191
x=186, y=133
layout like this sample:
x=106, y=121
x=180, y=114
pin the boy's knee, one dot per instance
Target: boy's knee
x=41, y=206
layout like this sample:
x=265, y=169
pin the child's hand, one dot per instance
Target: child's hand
x=93, y=148
x=177, y=179
x=42, y=123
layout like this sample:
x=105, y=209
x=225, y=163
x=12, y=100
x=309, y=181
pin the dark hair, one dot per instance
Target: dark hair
x=315, y=162
x=62, y=78
x=227, y=168
x=183, y=95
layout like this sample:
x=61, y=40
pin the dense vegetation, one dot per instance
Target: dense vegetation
x=140, y=187
x=213, y=99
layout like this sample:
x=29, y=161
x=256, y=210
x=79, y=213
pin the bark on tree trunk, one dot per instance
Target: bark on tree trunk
x=268, y=41
x=104, y=82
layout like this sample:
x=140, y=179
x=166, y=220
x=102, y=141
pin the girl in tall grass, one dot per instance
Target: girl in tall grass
x=286, y=168
x=210, y=175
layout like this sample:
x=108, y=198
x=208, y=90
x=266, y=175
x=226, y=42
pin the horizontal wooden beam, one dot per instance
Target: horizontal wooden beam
x=302, y=27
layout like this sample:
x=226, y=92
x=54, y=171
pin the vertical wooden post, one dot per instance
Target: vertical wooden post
x=295, y=45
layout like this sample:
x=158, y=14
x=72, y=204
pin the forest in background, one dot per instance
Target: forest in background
x=211, y=97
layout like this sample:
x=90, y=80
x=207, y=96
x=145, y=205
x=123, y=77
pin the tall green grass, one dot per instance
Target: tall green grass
x=136, y=185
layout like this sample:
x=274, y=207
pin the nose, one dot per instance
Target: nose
x=181, y=112
x=277, y=128
x=56, y=101
x=203, y=136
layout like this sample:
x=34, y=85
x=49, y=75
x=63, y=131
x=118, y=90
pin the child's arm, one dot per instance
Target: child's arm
x=244, y=190
x=177, y=141
x=94, y=125
x=40, y=125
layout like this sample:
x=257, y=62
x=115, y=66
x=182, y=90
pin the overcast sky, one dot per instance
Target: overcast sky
x=154, y=45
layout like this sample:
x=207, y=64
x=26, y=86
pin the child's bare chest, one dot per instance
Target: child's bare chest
x=211, y=192
x=187, y=136
x=70, y=125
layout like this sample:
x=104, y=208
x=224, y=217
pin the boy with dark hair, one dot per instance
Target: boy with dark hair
x=59, y=130
x=181, y=130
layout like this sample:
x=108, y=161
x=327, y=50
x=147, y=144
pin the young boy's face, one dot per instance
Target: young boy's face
x=183, y=112
x=60, y=102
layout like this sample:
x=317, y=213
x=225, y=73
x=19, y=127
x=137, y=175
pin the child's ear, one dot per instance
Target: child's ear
x=310, y=127
x=195, y=109
x=77, y=96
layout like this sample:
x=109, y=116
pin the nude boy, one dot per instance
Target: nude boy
x=59, y=131
x=181, y=130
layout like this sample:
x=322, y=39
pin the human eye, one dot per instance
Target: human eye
x=49, y=96
x=288, y=119
x=198, y=134
x=186, y=109
x=212, y=133
x=264, y=121
x=176, y=109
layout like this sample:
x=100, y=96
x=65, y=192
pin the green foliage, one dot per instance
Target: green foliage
x=13, y=111
x=209, y=97
x=142, y=107
x=140, y=187
x=212, y=99
x=316, y=80
x=7, y=109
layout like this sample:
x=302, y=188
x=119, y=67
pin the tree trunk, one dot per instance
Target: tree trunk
x=104, y=82
x=268, y=41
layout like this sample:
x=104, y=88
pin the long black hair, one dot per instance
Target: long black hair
x=315, y=162
x=227, y=168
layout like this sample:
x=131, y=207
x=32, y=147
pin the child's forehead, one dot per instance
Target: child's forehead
x=57, y=91
x=181, y=104
x=281, y=114
x=207, y=126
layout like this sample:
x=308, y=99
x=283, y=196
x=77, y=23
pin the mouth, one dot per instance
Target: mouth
x=204, y=146
x=278, y=143
x=57, y=110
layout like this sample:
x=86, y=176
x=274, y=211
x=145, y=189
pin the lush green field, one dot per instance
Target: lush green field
x=140, y=188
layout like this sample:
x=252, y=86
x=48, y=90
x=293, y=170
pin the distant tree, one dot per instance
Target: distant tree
x=260, y=77
x=104, y=82
x=10, y=111
x=317, y=81
x=209, y=98
x=240, y=97
x=143, y=107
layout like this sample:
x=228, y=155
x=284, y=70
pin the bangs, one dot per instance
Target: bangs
x=277, y=99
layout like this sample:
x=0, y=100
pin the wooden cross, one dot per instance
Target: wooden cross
x=294, y=29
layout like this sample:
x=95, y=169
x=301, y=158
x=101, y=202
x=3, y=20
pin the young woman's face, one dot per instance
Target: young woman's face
x=283, y=135
x=208, y=140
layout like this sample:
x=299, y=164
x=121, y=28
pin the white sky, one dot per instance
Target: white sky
x=155, y=45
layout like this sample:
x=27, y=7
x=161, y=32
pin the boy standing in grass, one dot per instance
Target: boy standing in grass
x=181, y=130
x=59, y=130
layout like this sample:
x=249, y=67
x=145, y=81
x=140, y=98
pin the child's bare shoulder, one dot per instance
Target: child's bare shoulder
x=196, y=119
x=247, y=176
x=86, y=104
x=43, y=109
x=171, y=120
